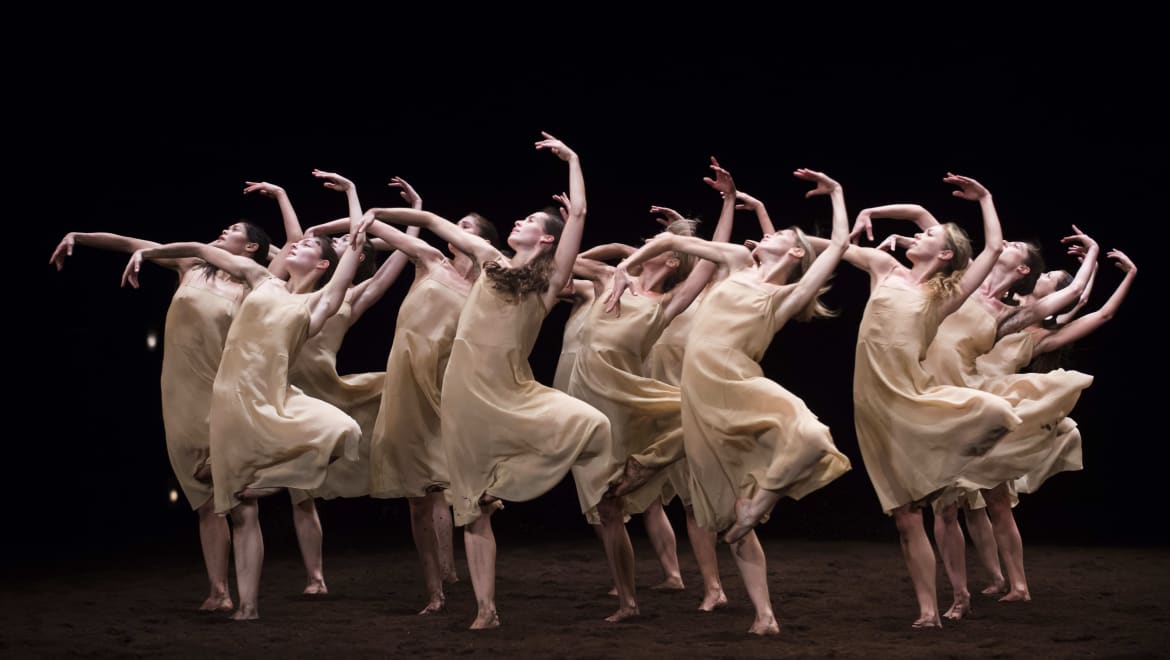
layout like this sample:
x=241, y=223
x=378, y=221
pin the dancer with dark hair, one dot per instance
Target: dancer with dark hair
x=200, y=312
x=266, y=435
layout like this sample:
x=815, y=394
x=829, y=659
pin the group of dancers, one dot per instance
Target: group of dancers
x=658, y=392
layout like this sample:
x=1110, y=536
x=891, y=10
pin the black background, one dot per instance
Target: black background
x=149, y=125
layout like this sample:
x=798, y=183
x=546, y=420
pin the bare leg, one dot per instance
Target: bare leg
x=979, y=525
x=479, y=543
x=601, y=537
x=703, y=545
x=953, y=548
x=749, y=558
x=665, y=545
x=748, y=513
x=920, y=561
x=422, y=521
x=441, y=512
x=1007, y=536
x=309, y=537
x=249, y=551
x=620, y=554
x=216, y=538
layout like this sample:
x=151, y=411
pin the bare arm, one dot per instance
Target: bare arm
x=465, y=242
x=732, y=257
x=702, y=272
x=570, y=242
x=242, y=268
x=828, y=258
x=607, y=251
x=1058, y=300
x=745, y=202
x=982, y=264
x=877, y=263
x=110, y=242
x=1086, y=324
x=292, y=225
x=912, y=212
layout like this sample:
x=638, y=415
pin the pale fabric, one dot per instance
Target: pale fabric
x=607, y=374
x=916, y=436
x=965, y=352
x=505, y=434
x=407, y=456
x=664, y=363
x=743, y=431
x=357, y=395
x=265, y=433
x=196, y=328
x=570, y=344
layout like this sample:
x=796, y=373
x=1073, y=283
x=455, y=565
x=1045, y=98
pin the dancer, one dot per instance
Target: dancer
x=506, y=436
x=749, y=441
x=265, y=434
x=407, y=455
x=916, y=436
x=197, y=321
x=608, y=373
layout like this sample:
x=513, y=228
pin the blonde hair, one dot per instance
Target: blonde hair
x=815, y=309
x=945, y=282
x=686, y=262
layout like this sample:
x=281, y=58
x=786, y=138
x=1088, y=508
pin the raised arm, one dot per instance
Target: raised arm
x=685, y=293
x=745, y=202
x=242, y=268
x=570, y=242
x=982, y=264
x=1078, y=250
x=325, y=302
x=292, y=225
x=912, y=212
x=1057, y=300
x=828, y=258
x=877, y=262
x=1080, y=327
x=732, y=257
x=111, y=242
x=465, y=242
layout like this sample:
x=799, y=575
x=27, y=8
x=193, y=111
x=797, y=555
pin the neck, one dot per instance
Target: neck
x=774, y=270
x=997, y=283
x=300, y=283
x=525, y=256
x=463, y=265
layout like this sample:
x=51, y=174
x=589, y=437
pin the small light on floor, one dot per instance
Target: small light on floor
x=151, y=340
x=174, y=496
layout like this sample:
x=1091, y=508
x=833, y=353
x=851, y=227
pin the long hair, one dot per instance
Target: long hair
x=255, y=235
x=532, y=276
x=815, y=309
x=368, y=265
x=487, y=230
x=330, y=255
x=1024, y=286
x=686, y=262
x=945, y=283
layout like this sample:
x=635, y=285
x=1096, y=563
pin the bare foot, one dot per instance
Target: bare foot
x=712, y=600
x=257, y=493
x=997, y=587
x=622, y=614
x=765, y=626
x=246, y=613
x=1014, y=596
x=486, y=620
x=743, y=523
x=673, y=583
x=931, y=621
x=634, y=477
x=316, y=588
x=960, y=608
x=436, y=606
x=217, y=603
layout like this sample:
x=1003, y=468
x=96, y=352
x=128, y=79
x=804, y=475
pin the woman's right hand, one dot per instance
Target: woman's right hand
x=64, y=249
x=131, y=273
x=667, y=216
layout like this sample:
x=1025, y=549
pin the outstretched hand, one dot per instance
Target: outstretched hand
x=621, y=282
x=263, y=187
x=559, y=149
x=889, y=243
x=334, y=181
x=1123, y=262
x=722, y=181
x=745, y=202
x=1080, y=243
x=407, y=191
x=825, y=185
x=666, y=216
x=968, y=188
x=863, y=225
x=64, y=249
x=130, y=275
x=562, y=201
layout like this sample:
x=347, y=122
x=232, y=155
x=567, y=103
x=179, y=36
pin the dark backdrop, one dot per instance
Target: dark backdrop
x=152, y=133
